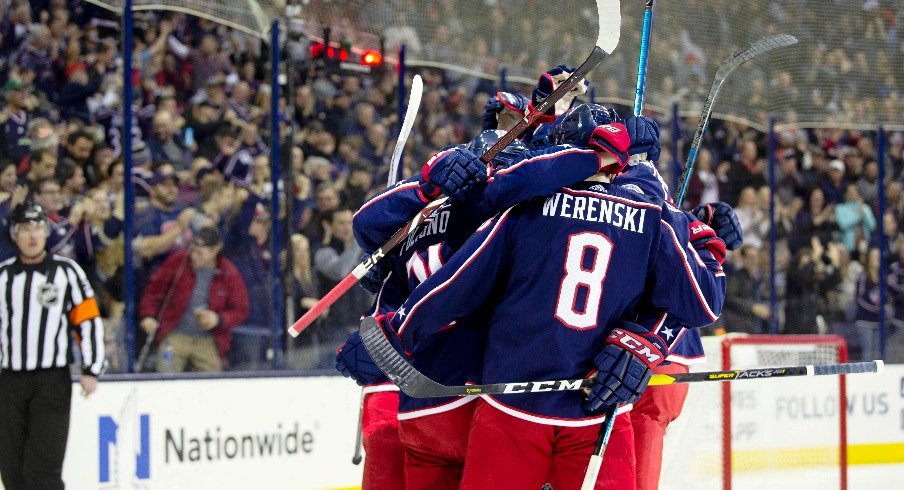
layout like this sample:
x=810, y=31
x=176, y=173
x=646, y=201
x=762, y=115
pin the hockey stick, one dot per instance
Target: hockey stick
x=606, y=42
x=417, y=385
x=414, y=102
x=596, y=459
x=602, y=440
x=725, y=68
x=356, y=458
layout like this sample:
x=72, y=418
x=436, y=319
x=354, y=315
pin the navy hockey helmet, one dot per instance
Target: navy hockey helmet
x=576, y=125
x=487, y=138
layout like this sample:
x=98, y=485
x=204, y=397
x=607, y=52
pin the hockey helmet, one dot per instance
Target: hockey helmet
x=577, y=124
x=27, y=212
x=487, y=138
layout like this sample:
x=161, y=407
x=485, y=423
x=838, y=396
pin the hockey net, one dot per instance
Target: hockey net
x=760, y=433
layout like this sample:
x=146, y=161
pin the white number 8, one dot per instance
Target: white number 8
x=590, y=278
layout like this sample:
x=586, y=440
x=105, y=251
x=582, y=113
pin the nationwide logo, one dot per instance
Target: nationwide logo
x=111, y=434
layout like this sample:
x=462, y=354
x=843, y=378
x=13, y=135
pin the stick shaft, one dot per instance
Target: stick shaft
x=602, y=440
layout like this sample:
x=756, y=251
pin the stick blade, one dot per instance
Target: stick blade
x=609, y=16
x=765, y=44
x=394, y=366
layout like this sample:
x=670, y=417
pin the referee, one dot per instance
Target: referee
x=43, y=299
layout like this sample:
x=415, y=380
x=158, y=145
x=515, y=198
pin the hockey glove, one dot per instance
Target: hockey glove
x=704, y=238
x=644, y=134
x=612, y=139
x=624, y=366
x=722, y=218
x=373, y=280
x=547, y=83
x=353, y=361
x=493, y=110
x=456, y=173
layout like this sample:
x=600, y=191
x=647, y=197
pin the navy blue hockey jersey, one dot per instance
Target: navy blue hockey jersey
x=452, y=357
x=552, y=273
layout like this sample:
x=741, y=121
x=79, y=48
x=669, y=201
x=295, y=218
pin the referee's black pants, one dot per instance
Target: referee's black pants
x=34, y=427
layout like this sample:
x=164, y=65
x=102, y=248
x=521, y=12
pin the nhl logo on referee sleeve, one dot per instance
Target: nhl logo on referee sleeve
x=48, y=294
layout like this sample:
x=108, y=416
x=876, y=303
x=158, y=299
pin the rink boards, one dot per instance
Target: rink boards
x=298, y=432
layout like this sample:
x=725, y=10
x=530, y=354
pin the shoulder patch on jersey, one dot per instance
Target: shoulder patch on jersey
x=633, y=187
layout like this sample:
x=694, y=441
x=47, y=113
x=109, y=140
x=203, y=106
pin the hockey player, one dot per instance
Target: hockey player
x=604, y=238
x=658, y=406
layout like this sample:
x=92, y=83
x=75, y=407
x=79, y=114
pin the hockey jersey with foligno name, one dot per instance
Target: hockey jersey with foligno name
x=551, y=273
x=454, y=356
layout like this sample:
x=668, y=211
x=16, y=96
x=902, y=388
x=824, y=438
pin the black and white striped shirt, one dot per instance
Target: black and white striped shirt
x=36, y=316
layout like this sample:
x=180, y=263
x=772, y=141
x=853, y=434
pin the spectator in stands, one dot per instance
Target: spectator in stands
x=751, y=216
x=163, y=143
x=746, y=171
x=703, y=187
x=78, y=151
x=206, y=61
x=834, y=187
x=855, y=219
x=162, y=227
x=868, y=183
x=745, y=308
x=335, y=259
x=72, y=184
x=232, y=160
x=815, y=219
x=42, y=166
x=326, y=200
x=813, y=274
x=247, y=245
x=16, y=116
x=48, y=194
x=866, y=316
x=192, y=303
x=305, y=294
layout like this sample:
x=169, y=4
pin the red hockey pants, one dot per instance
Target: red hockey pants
x=508, y=452
x=656, y=409
x=384, y=461
x=435, y=448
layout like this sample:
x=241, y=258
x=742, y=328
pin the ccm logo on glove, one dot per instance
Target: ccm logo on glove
x=641, y=348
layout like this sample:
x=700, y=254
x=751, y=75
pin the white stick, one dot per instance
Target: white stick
x=414, y=102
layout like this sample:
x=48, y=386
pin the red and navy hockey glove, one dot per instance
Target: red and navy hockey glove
x=514, y=102
x=624, y=366
x=644, y=134
x=353, y=361
x=547, y=83
x=612, y=139
x=722, y=218
x=704, y=238
x=456, y=173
